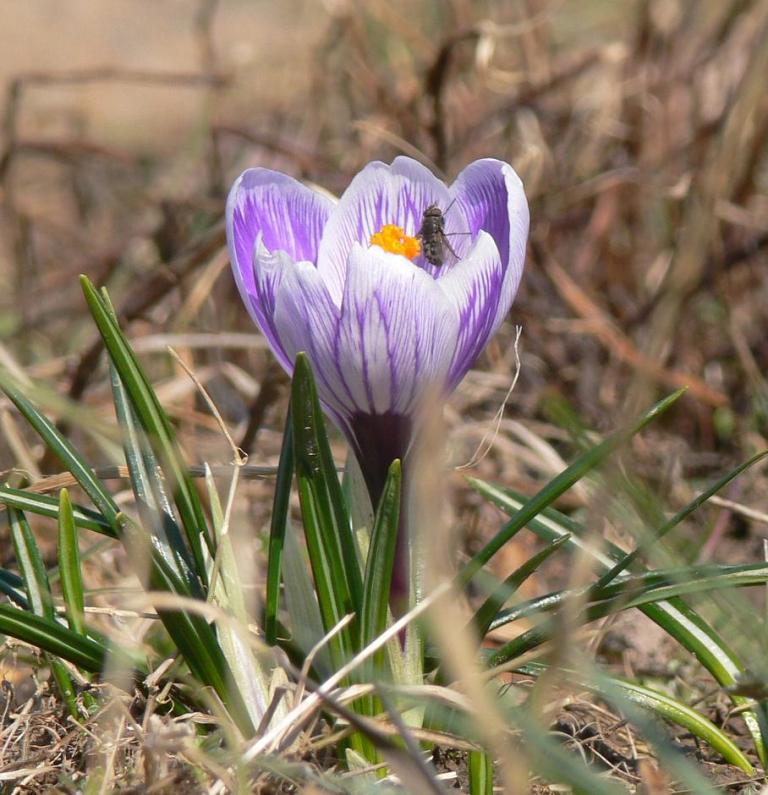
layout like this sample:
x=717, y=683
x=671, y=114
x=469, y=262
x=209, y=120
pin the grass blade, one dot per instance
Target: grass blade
x=277, y=530
x=327, y=528
x=381, y=558
x=584, y=464
x=155, y=423
x=40, y=598
x=680, y=516
x=69, y=566
x=65, y=452
x=480, y=773
x=43, y=505
x=488, y=610
x=673, y=615
x=147, y=484
x=13, y=587
x=84, y=652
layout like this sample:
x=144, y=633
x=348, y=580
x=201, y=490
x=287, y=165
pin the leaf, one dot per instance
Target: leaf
x=584, y=464
x=673, y=615
x=69, y=566
x=154, y=421
x=82, y=651
x=277, y=530
x=680, y=516
x=151, y=500
x=65, y=452
x=480, y=773
x=487, y=612
x=43, y=505
x=327, y=528
x=381, y=558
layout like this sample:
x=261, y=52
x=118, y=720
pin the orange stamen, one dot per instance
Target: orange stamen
x=393, y=239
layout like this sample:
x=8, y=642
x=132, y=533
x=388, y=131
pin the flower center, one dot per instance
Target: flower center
x=393, y=239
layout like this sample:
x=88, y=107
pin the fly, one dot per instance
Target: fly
x=434, y=240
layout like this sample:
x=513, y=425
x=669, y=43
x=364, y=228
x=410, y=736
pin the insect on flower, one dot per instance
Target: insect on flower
x=433, y=236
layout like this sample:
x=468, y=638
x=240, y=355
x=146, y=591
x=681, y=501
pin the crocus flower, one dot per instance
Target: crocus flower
x=348, y=283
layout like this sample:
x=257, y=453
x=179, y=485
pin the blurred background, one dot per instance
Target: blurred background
x=639, y=128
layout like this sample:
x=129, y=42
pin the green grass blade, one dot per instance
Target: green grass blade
x=40, y=598
x=147, y=484
x=651, y=588
x=661, y=705
x=488, y=610
x=584, y=464
x=326, y=523
x=277, y=530
x=381, y=558
x=69, y=566
x=640, y=589
x=31, y=566
x=64, y=451
x=673, y=615
x=13, y=587
x=480, y=766
x=677, y=712
x=82, y=651
x=311, y=440
x=43, y=505
x=194, y=637
x=155, y=423
x=680, y=516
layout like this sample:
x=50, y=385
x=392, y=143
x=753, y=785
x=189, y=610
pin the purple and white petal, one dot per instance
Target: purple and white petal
x=306, y=319
x=475, y=288
x=289, y=216
x=272, y=220
x=397, y=335
x=260, y=291
x=491, y=197
x=380, y=194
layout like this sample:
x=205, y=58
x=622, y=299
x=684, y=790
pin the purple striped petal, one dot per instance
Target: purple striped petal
x=397, y=332
x=380, y=194
x=307, y=319
x=491, y=197
x=393, y=337
x=272, y=220
x=483, y=285
x=474, y=288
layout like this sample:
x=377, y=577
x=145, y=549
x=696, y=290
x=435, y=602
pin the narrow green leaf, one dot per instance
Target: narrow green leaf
x=39, y=592
x=641, y=589
x=194, y=637
x=82, y=651
x=13, y=587
x=44, y=505
x=680, y=516
x=673, y=615
x=663, y=706
x=69, y=566
x=154, y=421
x=31, y=565
x=277, y=531
x=151, y=500
x=584, y=464
x=677, y=712
x=381, y=558
x=487, y=612
x=327, y=528
x=64, y=451
x=480, y=773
